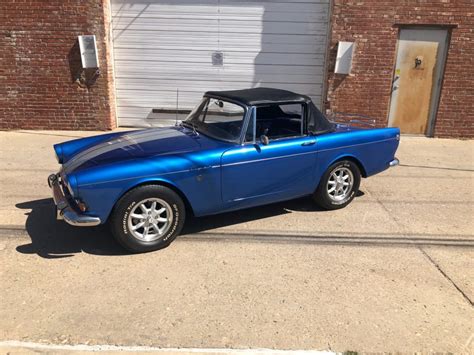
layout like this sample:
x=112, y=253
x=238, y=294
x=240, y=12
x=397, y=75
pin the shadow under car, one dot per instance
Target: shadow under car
x=51, y=238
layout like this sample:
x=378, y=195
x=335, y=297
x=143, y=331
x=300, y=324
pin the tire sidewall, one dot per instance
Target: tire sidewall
x=322, y=194
x=127, y=203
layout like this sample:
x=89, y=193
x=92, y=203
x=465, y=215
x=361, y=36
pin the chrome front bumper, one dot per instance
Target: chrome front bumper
x=64, y=210
x=394, y=162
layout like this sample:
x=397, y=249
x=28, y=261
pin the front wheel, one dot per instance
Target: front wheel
x=147, y=218
x=338, y=185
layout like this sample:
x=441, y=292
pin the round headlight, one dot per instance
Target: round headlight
x=59, y=153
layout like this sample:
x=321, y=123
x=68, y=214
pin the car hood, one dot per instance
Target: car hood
x=133, y=145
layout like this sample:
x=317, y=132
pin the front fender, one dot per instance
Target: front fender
x=101, y=198
x=199, y=187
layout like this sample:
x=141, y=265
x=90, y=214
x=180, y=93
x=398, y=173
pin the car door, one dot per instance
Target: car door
x=257, y=172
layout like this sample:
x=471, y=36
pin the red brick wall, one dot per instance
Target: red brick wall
x=39, y=62
x=372, y=25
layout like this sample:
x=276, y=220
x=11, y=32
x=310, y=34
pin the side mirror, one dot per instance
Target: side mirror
x=264, y=139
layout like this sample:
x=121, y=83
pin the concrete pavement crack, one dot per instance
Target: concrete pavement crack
x=385, y=209
x=430, y=259
x=445, y=275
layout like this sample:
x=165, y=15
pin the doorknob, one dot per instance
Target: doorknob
x=308, y=143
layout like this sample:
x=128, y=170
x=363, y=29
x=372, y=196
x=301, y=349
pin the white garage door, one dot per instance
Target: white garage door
x=161, y=46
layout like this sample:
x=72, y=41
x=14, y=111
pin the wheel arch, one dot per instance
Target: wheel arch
x=159, y=182
x=353, y=159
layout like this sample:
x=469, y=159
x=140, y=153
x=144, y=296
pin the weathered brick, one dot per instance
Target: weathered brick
x=37, y=39
x=370, y=24
x=37, y=89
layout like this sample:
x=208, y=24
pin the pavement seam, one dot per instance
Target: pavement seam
x=36, y=133
x=403, y=240
x=436, y=167
x=385, y=208
x=437, y=266
x=5, y=228
x=430, y=259
x=138, y=348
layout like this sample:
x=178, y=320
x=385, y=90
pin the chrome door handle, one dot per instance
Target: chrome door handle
x=308, y=143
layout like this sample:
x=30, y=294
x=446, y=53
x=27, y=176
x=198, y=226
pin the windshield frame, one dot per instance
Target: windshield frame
x=197, y=127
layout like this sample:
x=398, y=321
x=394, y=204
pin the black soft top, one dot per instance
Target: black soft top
x=258, y=96
x=317, y=122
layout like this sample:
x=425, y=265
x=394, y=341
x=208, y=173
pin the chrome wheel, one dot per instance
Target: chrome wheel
x=340, y=183
x=150, y=219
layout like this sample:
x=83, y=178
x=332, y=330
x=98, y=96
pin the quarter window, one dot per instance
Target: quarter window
x=280, y=121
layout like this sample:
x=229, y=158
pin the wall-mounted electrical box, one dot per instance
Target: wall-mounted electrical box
x=344, y=57
x=88, y=49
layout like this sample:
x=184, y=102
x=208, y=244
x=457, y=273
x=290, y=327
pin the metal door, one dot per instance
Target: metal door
x=417, y=79
x=269, y=172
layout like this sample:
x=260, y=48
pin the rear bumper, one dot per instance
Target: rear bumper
x=63, y=209
x=394, y=162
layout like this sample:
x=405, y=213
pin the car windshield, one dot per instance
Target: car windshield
x=217, y=119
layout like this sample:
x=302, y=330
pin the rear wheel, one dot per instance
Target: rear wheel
x=338, y=185
x=148, y=218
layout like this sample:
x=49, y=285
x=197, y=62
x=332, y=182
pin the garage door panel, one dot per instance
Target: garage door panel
x=140, y=7
x=222, y=25
x=159, y=99
x=150, y=121
x=187, y=71
x=188, y=40
x=311, y=17
x=187, y=91
x=138, y=113
x=226, y=46
x=185, y=84
x=164, y=45
x=204, y=57
x=211, y=6
x=243, y=76
x=189, y=94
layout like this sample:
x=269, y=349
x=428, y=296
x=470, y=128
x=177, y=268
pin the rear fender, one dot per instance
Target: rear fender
x=371, y=149
x=352, y=158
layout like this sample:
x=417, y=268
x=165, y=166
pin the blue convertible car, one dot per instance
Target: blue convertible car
x=236, y=149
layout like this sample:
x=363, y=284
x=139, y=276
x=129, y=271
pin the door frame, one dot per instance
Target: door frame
x=437, y=87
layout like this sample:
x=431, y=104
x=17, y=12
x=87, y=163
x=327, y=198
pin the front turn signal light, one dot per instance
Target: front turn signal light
x=82, y=206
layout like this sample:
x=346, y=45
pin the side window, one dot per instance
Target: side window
x=280, y=121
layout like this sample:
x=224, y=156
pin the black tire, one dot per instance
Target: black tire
x=131, y=202
x=323, y=198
